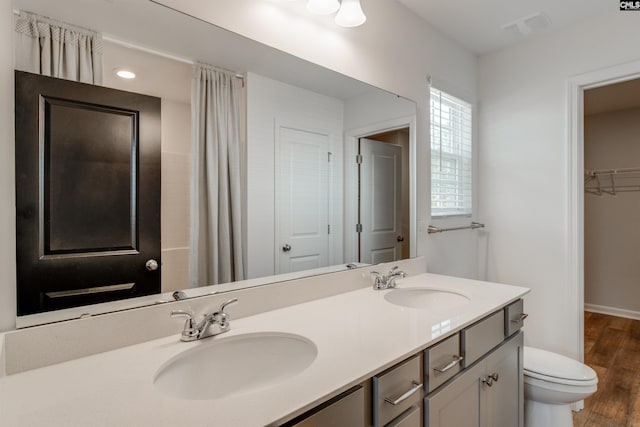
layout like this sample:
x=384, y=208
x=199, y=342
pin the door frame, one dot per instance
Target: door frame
x=351, y=137
x=576, y=85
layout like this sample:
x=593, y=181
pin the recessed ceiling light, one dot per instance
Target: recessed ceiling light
x=125, y=74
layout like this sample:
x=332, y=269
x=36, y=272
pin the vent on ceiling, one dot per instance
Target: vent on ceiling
x=528, y=24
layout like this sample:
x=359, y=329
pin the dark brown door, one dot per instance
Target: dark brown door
x=87, y=193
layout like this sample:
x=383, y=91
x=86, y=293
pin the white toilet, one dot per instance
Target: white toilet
x=553, y=382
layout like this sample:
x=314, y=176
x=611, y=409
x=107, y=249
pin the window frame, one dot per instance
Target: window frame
x=465, y=180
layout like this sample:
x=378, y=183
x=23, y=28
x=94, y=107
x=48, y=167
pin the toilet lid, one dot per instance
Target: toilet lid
x=554, y=367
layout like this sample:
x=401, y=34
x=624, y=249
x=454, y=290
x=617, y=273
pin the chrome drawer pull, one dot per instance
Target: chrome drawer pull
x=520, y=318
x=405, y=395
x=456, y=359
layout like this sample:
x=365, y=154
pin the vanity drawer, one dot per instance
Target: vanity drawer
x=412, y=417
x=396, y=390
x=441, y=362
x=481, y=337
x=514, y=316
x=345, y=410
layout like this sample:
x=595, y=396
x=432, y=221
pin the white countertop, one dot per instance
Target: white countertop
x=357, y=334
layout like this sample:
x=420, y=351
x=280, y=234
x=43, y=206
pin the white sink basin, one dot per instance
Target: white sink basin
x=221, y=367
x=427, y=298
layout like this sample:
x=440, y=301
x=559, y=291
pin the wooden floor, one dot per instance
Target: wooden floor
x=612, y=349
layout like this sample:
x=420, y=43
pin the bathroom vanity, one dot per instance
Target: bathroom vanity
x=350, y=353
x=471, y=378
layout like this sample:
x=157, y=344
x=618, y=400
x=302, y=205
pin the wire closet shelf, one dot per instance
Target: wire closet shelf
x=611, y=181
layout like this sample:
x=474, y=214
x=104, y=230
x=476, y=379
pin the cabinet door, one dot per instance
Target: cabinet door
x=458, y=403
x=502, y=401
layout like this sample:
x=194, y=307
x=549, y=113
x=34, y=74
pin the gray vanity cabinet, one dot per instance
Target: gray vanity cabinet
x=488, y=393
x=472, y=378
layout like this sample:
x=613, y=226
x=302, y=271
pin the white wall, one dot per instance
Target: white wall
x=271, y=102
x=175, y=200
x=375, y=107
x=611, y=231
x=523, y=163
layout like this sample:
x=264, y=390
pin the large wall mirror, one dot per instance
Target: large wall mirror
x=327, y=162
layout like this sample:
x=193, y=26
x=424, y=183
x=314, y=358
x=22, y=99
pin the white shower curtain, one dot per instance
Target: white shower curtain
x=216, y=199
x=53, y=48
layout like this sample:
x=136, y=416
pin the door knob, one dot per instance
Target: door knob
x=400, y=238
x=152, y=265
x=286, y=247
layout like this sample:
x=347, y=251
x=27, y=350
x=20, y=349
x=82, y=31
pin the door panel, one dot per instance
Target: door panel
x=502, y=399
x=87, y=193
x=377, y=256
x=87, y=186
x=458, y=403
x=303, y=200
x=380, y=204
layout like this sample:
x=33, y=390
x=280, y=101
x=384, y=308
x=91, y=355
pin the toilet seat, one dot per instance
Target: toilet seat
x=556, y=368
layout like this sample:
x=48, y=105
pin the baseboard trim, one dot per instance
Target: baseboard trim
x=612, y=311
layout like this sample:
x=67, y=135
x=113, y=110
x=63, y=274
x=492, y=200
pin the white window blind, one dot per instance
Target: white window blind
x=451, y=155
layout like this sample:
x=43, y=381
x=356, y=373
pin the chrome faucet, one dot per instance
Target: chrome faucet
x=388, y=281
x=212, y=324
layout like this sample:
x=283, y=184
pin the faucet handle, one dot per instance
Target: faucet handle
x=182, y=313
x=379, y=282
x=222, y=317
x=393, y=270
x=226, y=303
x=190, y=322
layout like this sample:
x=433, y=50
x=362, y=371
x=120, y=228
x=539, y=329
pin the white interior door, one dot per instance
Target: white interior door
x=380, y=205
x=302, y=214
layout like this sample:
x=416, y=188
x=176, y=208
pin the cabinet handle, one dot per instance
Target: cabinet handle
x=416, y=386
x=456, y=359
x=520, y=318
x=490, y=379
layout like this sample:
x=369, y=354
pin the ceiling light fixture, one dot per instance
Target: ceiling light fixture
x=125, y=74
x=350, y=14
x=323, y=7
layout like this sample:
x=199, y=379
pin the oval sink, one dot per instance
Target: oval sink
x=427, y=298
x=235, y=365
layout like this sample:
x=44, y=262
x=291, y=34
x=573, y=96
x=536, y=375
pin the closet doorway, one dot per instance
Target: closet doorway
x=612, y=252
x=612, y=199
